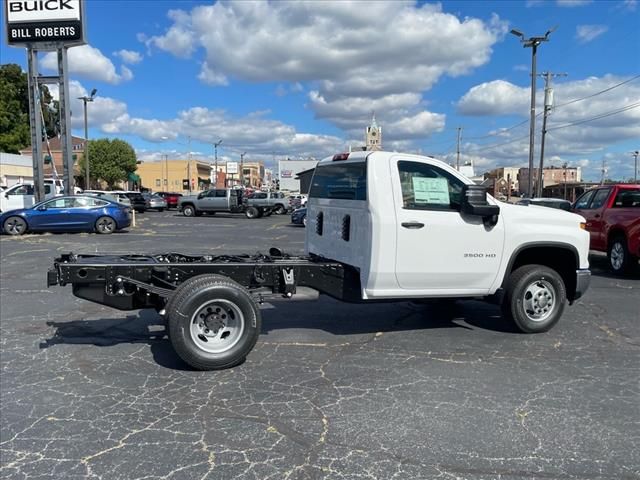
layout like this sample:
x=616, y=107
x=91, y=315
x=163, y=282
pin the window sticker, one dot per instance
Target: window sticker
x=431, y=190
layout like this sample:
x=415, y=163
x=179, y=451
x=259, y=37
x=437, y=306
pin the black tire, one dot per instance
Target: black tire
x=208, y=302
x=621, y=261
x=280, y=210
x=161, y=209
x=304, y=221
x=535, y=298
x=15, y=226
x=105, y=225
x=252, y=212
x=189, y=211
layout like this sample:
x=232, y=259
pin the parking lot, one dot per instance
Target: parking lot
x=331, y=390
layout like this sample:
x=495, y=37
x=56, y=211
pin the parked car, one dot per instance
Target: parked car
x=613, y=221
x=138, y=203
x=111, y=196
x=172, y=199
x=299, y=216
x=156, y=202
x=276, y=201
x=68, y=214
x=547, y=202
x=297, y=201
x=22, y=195
x=212, y=201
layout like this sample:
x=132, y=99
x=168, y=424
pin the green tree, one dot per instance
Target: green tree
x=109, y=160
x=15, y=133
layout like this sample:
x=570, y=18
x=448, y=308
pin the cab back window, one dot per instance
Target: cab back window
x=627, y=199
x=344, y=181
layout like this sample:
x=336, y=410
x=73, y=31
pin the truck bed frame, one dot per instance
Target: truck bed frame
x=132, y=282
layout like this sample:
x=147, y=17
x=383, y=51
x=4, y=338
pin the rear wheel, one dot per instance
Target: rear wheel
x=188, y=211
x=15, y=226
x=105, y=225
x=213, y=322
x=620, y=259
x=280, y=210
x=251, y=212
x=535, y=298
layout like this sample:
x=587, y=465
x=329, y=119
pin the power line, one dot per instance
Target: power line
x=495, y=145
x=598, y=93
x=597, y=117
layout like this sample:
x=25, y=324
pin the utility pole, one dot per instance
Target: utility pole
x=548, y=105
x=604, y=171
x=533, y=43
x=564, y=165
x=242, y=168
x=189, y=161
x=86, y=99
x=458, y=149
x=215, y=149
x=635, y=166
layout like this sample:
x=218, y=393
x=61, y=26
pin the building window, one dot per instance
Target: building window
x=165, y=181
x=157, y=182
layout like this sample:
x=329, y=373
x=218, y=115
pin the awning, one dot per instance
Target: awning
x=133, y=177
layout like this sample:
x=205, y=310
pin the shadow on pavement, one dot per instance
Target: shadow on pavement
x=599, y=265
x=147, y=327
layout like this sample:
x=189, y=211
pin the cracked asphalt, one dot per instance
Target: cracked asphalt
x=385, y=391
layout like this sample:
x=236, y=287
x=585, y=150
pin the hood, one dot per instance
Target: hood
x=537, y=214
x=17, y=211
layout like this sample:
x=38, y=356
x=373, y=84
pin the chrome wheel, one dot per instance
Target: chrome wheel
x=105, y=225
x=617, y=256
x=15, y=226
x=217, y=326
x=539, y=300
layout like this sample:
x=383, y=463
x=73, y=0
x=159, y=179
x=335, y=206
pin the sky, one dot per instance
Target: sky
x=302, y=79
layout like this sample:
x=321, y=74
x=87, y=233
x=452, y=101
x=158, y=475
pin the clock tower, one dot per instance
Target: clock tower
x=373, y=135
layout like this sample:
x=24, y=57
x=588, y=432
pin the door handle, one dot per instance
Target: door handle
x=412, y=225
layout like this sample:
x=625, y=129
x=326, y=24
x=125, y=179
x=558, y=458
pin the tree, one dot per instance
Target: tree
x=109, y=160
x=15, y=133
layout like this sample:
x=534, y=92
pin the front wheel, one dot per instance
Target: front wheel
x=105, y=225
x=213, y=322
x=15, y=226
x=280, y=210
x=188, y=211
x=620, y=259
x=535, y=298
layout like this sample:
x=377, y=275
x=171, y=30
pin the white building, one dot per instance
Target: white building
x=15, y=169
x=289, y=169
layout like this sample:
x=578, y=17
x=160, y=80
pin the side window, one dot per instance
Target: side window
x=600, y=198
x=60, y=203
x=583, y=201
x=627, y=199
x=23, y=190
x=426, y=187
x=47, y=189
x=221, y=193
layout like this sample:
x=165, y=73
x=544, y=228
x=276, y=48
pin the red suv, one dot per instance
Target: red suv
x=613, y=221
x=171, y=199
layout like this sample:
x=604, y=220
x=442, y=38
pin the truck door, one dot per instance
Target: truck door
x=592, y=212
x=21, y=196
x=438, y=248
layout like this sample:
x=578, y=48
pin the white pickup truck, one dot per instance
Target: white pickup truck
x=381, y=227
x=21, y=195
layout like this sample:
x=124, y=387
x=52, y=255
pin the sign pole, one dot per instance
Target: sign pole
x=35, y=121
x=65, y=124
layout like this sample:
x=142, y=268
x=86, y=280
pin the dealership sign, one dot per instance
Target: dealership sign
x=45, y=23
x=232, y=168
x=286, y=173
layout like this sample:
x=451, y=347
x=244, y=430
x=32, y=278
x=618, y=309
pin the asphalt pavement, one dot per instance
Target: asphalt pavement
x=384, y=391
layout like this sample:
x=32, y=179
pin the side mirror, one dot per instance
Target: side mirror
x=200, y=195
x=474, y=202
x=42, y=208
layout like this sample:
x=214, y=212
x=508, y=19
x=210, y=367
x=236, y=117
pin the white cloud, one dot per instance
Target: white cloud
x=630, y=5
x=364, y=57
x=129, y=56
x=498, y=98
x=89, y=62
x=587, y=33
x=573, y=3
x=178, y=40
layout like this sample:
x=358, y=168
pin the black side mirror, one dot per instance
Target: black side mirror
x=474, y=202
x=42, y=208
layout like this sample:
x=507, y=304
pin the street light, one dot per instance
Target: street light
x=635, y=166
x=532, y=43
x=215, y=147
x=86, y=99
x=242, y=168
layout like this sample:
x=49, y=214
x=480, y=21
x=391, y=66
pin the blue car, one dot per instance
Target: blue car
x=68, y=214
x=299, y=216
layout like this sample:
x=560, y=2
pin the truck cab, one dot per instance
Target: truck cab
x=404, y=222
x=22, y=195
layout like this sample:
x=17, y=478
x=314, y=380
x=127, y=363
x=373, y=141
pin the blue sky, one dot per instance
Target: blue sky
x=302, y=79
